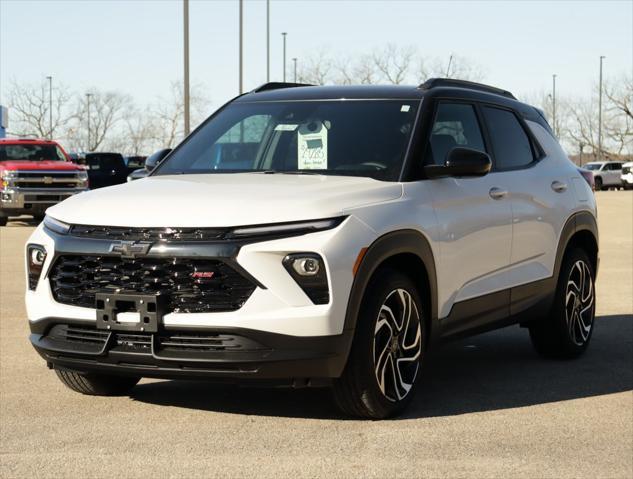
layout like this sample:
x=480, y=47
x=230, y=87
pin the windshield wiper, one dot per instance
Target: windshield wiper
x=291, y=172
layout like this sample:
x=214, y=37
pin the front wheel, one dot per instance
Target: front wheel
x=96, y=384
x=381, y=374
x=567, y=331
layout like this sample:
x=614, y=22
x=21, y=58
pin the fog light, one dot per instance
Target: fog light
x=306, y=266
x=308, y=270
x=36, y=256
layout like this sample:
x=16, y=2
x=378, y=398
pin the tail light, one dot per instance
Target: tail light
x=588, y=176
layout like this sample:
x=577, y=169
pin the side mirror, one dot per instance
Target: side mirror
x=154, y=160
x=461, y=162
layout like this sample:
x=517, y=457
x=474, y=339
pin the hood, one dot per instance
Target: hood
x=215, y=200
x=39, y=165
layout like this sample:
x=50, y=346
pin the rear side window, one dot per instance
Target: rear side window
x=455, y=125
x=510, y=143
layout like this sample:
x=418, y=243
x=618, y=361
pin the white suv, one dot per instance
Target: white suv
x=321, y=236
x=606, y=174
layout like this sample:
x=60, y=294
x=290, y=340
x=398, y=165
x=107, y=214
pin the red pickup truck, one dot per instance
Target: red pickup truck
x=36, y=174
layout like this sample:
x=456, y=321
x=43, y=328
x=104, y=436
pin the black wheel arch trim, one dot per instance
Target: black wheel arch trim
x=381, y=250
x=576, y=223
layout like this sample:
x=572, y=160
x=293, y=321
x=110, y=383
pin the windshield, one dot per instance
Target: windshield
x=353, y=137
x=31, y=153
x=593, y=166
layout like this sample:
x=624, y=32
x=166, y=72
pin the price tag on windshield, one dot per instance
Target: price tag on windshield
x=312, y=146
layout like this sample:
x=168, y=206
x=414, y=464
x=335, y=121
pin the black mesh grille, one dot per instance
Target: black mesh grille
x=148, y=234
x=174, y=341
x=76, y=279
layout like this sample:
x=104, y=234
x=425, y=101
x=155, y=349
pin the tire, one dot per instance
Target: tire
x=359, y=391
x=3, y=220
x=566, y=333
x=598, y=183
x=97, y=384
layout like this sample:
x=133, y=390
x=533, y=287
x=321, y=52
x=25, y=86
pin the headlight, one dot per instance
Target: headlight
x=308, y=270
x=9, y=174
x=301, y=227
x=83, y=178
x=56, y=225
x=36, y=256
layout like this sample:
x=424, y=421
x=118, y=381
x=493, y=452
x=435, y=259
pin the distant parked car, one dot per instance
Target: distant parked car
x=627, y=175
x=151, y=162
x=105, y=169
x=606, y=174
x=133, y=163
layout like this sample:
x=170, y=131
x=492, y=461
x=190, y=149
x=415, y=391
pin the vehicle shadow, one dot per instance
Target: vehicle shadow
x=23, y=221
x=493, y=371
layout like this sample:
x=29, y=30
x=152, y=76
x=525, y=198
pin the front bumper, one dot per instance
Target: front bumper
x=191, y=353
x=627, y=179
x=17, y=201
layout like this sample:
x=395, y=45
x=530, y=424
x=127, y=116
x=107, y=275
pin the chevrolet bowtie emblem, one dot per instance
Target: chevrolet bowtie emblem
x=130, y=249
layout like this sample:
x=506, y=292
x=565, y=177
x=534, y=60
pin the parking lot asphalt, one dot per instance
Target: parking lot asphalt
x=488, y=406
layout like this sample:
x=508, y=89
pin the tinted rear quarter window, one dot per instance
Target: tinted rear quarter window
x=510, y=143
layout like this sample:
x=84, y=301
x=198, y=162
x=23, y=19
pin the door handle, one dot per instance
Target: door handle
x=559, y=186
x=497, y=193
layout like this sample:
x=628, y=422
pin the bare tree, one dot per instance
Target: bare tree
x=393, y=63
x=456, y=66
x=96, y=118
x=316, y=70
x=168, y=114
x=31, y=108
x=139, y=131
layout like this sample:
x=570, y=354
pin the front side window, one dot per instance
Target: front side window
x=510, y=143
x=593, y=166
x=455, y=125
x=352, y=137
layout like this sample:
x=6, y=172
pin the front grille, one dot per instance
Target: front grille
x=44, y=198
x=75, y=279
x=54, y=185
x=168, y=341
x=148, y=234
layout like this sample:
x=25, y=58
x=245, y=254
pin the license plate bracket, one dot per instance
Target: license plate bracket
x=150, y=308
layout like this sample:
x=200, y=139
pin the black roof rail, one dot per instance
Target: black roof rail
x=450, y=82
x=277, y=86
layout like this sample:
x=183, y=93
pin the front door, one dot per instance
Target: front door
x=474, y=227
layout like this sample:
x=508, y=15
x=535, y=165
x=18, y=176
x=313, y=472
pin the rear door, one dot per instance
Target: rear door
x=474, y=226
x=540, y=192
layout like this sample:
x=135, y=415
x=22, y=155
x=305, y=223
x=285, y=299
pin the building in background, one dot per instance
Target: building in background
x=4, y=121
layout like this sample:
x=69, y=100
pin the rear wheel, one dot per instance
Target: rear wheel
x=381, y=374
x=97, y=384
x=3, y=220
x=567, y=331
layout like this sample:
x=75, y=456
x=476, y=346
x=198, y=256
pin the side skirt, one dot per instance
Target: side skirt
x=521, y=304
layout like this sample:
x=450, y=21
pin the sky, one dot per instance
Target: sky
x=136, y=46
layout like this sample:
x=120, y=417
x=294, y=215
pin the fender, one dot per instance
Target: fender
x=580, y=221
x=385, y=247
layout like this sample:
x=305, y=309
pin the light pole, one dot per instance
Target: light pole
x=267, y=41
x=554, y=103
x=294, y=60
x=50, y=107
x=284, y=34
x=88, y=95
x=600, y=112
x=185, y=5
x=241, y=48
